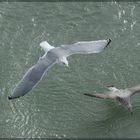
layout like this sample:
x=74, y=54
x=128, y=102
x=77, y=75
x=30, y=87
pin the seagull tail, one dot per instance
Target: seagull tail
x=46, y=46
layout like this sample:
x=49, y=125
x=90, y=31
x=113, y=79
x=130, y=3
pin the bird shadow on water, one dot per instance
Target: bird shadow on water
x=105, y=123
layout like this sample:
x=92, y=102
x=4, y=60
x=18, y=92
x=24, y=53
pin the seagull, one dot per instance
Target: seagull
x=122, y=96
x=54, y=55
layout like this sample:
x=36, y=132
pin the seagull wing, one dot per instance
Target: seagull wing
x=32, y=77
x=97, y=95
x=84, y=47
x=134, y=89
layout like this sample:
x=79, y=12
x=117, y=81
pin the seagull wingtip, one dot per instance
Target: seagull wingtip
x=111, y=85
x=88, y=94
x=11, y=98
x=108, y=42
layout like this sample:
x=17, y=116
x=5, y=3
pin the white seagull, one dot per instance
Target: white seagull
x=122, y=96
x=52, y=56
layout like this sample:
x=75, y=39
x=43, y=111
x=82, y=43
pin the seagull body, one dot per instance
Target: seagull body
x=53, y=56
x=122, y=96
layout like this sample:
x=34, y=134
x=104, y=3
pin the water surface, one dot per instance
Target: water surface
x=57, y=108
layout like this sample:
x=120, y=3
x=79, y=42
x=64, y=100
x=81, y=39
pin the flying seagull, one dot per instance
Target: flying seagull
x=122, y=96
x=52, y=56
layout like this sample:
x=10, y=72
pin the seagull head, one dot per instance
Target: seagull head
x=64, y=61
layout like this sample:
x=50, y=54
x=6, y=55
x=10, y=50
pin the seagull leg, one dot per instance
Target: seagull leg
x=130, y=109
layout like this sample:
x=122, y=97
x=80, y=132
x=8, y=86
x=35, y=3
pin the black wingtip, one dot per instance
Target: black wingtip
x=108, y=42
x=110, y=86
x=11, y=98
x=87, y=94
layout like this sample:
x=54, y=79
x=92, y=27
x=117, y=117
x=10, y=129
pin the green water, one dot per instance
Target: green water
x=57, y=108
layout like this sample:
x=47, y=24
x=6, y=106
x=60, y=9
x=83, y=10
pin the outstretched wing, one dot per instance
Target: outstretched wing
x=31, y=78
x=85, y=47
x=97, y=95
x=134, y=89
